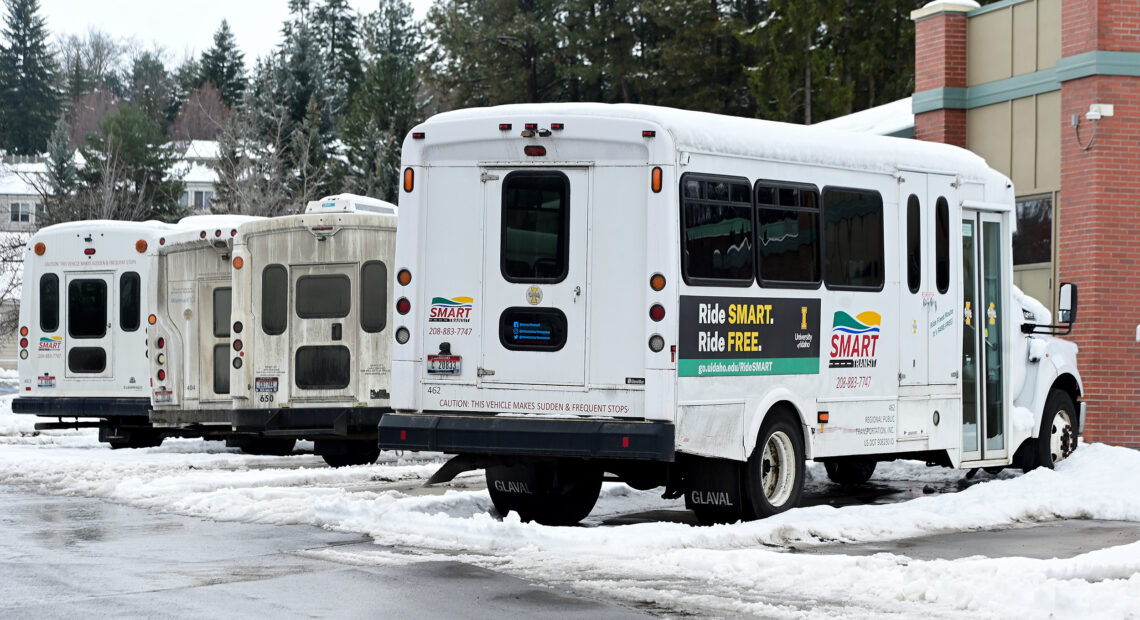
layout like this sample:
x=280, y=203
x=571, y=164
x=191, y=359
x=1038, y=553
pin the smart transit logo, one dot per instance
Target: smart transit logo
x=854, y=340
x=51, y=343
x=453, y=310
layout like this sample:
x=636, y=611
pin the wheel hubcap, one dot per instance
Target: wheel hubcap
x=778, y=468
x=1062, y=440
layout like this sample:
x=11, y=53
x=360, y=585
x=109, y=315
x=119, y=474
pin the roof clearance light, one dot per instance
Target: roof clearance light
x=504, y=126
x=403, y=306
x=657, y=312
x=162, y=241
x=40, y=248
x=233, y=232
x=409, y=179
x=140, y=246
x=218, y=233
x=238, y=262
x=655, y=180
x=89, y=251
x=418, y=135
x=657, y=282
x=535, y=150
x=151, y=319
x=404, y=277
x=531, y=126
x=202, y=235
x=648, y=133
x=558, y=126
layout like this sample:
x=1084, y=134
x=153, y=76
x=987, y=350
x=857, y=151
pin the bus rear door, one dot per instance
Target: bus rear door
x=214, y=340
x=87, y=348
x=534, y=280
x=322, y=331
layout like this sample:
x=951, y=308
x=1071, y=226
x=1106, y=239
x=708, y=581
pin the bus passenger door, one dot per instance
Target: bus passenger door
x=87, y=349
x=214, y=340
x=916, y=290
x=941, y=273
x=534, y=276
x=984, y=402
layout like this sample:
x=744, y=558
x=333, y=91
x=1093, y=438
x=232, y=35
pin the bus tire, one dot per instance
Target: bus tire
x=137, y=438
x=355, y=453
x=850, y=471
x=774, y=473
x=263, y=446
x=559, y=493
x=1058, y=436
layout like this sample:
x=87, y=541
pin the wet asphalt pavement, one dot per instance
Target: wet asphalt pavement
x=72, y=557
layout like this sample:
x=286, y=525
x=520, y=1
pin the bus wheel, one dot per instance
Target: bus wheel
x=559, y=493
x=852, y=471
x=353, y=453
x=138, y=438
x=1058, y=436
x=774, y=474
x=262, y=446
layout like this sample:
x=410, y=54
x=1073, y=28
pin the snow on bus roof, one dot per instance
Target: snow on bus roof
x=113, y=227
x=729, y=135
x=351, y=203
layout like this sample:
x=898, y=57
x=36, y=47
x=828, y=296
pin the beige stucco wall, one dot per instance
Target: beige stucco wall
x=1019, y=39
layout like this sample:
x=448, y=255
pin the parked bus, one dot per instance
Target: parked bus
x=703, y=303
x=82, y=331
x=189, y=340
x=311, y=350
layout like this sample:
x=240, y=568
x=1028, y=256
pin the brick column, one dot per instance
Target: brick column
x=940, y=63
x=1099, y=215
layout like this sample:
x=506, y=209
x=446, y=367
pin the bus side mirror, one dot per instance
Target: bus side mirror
x=1067, y=306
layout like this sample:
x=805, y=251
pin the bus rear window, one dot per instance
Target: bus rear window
x=535, y=227
x=274, y=299
x=49, y=302
x=222, y=308
x=323, y=297
x=222, y=369
x=130, y=300
x=87, y=309
x=716, y=238
x=787, y=234
x=532, y=329
x=373, y=296
x=853, y=229
x=87, y=360
x=322, y=368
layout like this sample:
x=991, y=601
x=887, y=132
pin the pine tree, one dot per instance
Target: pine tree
x=335, y=32
x=385, y=107
x=28, y=97
x=150, y=86
x=223, y=65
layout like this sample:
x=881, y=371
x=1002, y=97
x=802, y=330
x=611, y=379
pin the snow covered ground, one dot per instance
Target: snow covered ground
x=674, y=568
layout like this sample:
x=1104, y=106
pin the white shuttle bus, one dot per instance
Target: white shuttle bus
x=311, y=345
x=83, y=332
x=702, y=303
x=189, y=343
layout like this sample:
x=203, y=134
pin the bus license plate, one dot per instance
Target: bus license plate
x=444, y=364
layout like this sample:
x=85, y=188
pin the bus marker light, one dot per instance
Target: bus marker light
x=648, y=133
x=161, y=375
x=161, y=342
x=237, y=345
x=409, y=179
x=24, y=342
x=657, y=312
x=625, y=442
x=404, y=277
x=535, y=150
x=40, y=248
x=152, y=319
x=202, y=235
x=238, y=327
x=89, y=251
x=162, y=241
x=504, y=126
x=823, y=417
x=403, y=305
x=531, y=126
x=657, y=282
x=403, y=435
x=23, y=331
x=558, y=126
x=673, y=353
x=238, y=262
x=418, y=135
x=140, y=246
x=218, y=233
x=233, y=232
x=655, y=180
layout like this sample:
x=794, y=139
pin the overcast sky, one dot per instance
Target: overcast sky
x=183, y=27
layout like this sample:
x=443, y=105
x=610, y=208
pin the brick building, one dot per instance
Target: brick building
x=1048, y=91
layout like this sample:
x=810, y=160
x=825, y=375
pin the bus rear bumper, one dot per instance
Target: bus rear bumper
x=308, y=422
x=526, y=436
x=82, y=407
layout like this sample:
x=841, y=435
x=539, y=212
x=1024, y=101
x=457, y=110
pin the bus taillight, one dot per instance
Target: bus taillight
x=657, y=312
x=535, y=150
x=403, y=306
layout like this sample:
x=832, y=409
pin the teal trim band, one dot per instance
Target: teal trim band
x=996, y=6
x=1098, y=63
x=950, y=97
x=1017, y=87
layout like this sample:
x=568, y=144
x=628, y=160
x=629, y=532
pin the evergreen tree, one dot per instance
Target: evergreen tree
x=335, y=31
x=223, y=65
x=384, y=108
x=28, y=98
x=150, y=87
x=130, y=172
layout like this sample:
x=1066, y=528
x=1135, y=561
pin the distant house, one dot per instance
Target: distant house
x=199, y=175
x=20, y=203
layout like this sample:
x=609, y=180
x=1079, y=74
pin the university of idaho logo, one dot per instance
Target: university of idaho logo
x=854, y=340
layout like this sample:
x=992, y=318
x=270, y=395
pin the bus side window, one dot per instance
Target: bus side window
x=853, y=239
x=49, y=302
x=373, y=296
x=130, y=301
x=716, y=230
x=913, y=245
x=274, y=299
x=787, y=234
x=942, y=245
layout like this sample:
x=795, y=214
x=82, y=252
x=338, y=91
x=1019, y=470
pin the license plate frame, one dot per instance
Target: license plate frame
x=444, y=364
